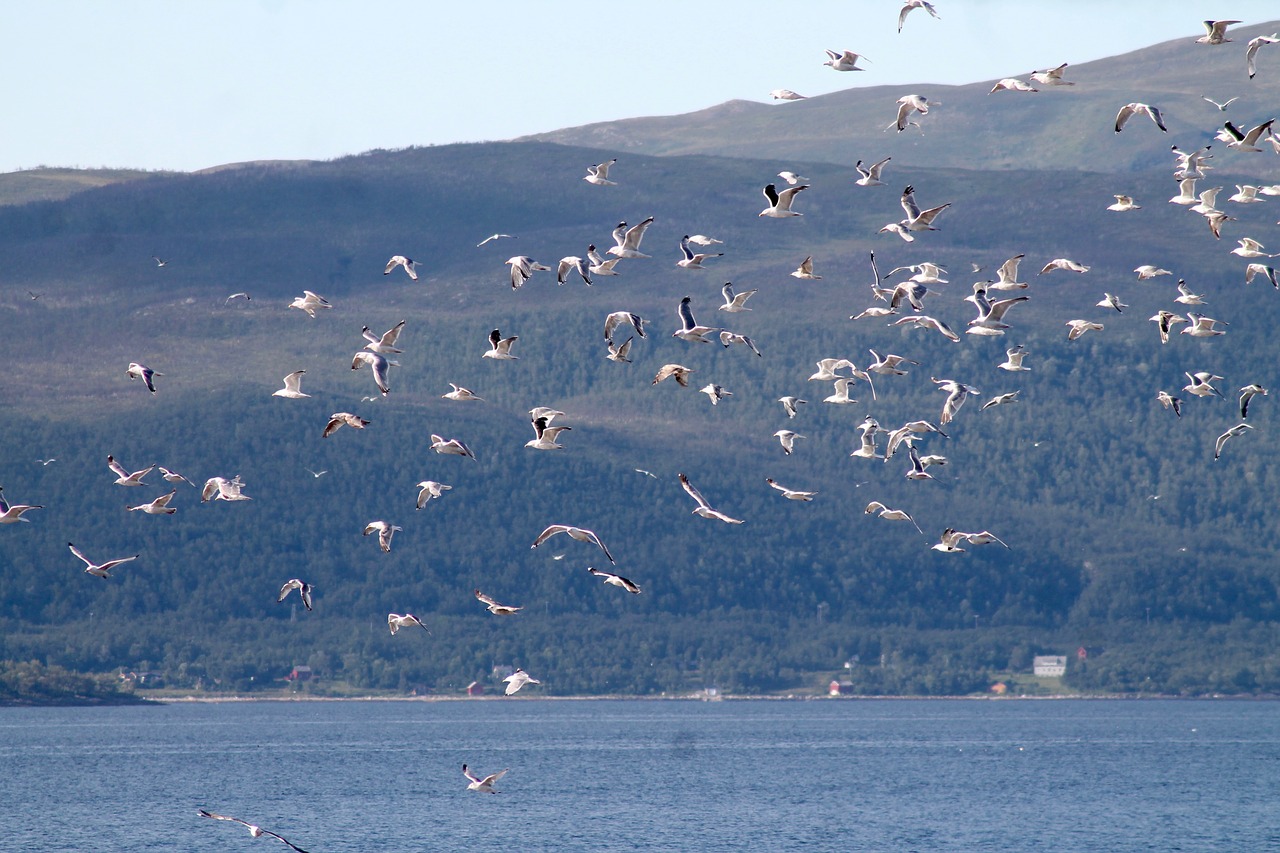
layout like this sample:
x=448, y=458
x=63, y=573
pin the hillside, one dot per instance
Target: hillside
x=1057, y=128
x=1123, y=530
x=47, y=184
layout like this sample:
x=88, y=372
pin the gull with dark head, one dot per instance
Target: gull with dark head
x=598, y=174
x=735, y=302
x=628, y=239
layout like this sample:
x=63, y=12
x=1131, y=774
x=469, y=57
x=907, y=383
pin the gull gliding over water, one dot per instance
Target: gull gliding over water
x=254, y=830
x=485, y=785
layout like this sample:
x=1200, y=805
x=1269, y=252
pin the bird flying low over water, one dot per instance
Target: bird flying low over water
x=518, y=679
x=485, y=785
x=303, y=588
x=580, y=534
x=705, y=509
x=141, y=371
x=100, y=570
x=254, y=830
x=615, y=580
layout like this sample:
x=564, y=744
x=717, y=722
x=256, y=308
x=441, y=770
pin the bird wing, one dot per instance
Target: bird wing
x=635, y=234
x=552, y=530
x=909, y=203
x=693, y=492
x=76, y=551
x=771, y=193
x=117, y=467
x=596, y=539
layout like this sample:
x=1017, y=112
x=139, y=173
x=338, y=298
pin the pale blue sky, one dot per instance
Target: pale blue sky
x=186, y=85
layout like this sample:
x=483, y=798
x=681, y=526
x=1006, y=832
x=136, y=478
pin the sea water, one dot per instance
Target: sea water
x=623, y=775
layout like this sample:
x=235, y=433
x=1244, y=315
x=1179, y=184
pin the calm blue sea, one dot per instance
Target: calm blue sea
x=843, y=775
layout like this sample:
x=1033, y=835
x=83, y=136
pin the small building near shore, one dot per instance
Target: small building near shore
x=1049, y=666
x=300, y=673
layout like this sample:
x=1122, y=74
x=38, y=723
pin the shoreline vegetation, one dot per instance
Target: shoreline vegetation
x=32, y=684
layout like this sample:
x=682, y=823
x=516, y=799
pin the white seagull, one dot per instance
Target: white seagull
x=914, y=4
x=705, y=509
x=704, y=240
x=786, y=95
x=310, y=303
x=1123, y=204
x=792, y=178
x=99, y=570
x=292, y=386
x=429, y=490
x=545, y=436
x=1247, y=393
x=790, y=494
x=1129, y=110
x=571, y=264
x=254, y=830
x=691, y=261
x=522, y=269
x=340, y=419
x=715, y=392
x=789, y=404
x=890, y=514
x=12, y=513
x=869, y=176
x=395, y=622
x=378, y=364
x=677, y=371
x=597, y=265
x=222, y=489
x=908, y=104
x=616, y=580
x=1238, y=429
x=493, y=237
x=402, y=261
x=485, y=785
x=385, y=531
x=518, y=679
x=1252, y=51
x=461, y=394
x=1200, y=383
x=780, y=202
x=689, y=329
x=735, y=302
x=1079, y=327
x=385, y=343
x=598, y=174
x=123, y=477
x=500, y=347
x=728, y=338
x=451, y=447
x=628, y=239
x=141, y=371
x=1063, y=264
x=1222, y=107
x=787, y=438
x=304, y=590
x=1012, y=84
x=844, y=61
x=494, y=607
x=580, y=534
x=159, y=506
x=1051, y=76
x=1215, y=32
x=805, y=271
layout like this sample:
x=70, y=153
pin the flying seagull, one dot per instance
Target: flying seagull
x=598, y=174
x=790, y=494
x=310, y=303
x=1252, y=51
x=844, y=60
x=378, y=364
x=570, y=264
x=1247, y=393
x=780, y=202
x=384, y=343
x=493, y=237
x=461, y=394
x=869, y=176
x=141, y=371
x=522, y=269
x=12, y=513
x=99, y=570
x=735, y=302
x=340, y=419
x=395, y=622
x=125, y=478
x=705, y=509
x=254, y=830
x=402, y=261
x=914, y=4
x=485, y=785
x=385, y=531
x=159, y=506
x=500, y=347
x=1238, y=429
x=628, y=240
x=292, y=387
x=1129, y=110
x=430, y=490
x=581, y=534
x=890, y=514
x=494, y=607
x=1215, y=32
x=616, y=580
x=303, y=588
x=518, y=679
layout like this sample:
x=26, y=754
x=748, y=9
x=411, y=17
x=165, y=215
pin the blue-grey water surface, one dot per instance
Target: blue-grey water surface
x=846, y=775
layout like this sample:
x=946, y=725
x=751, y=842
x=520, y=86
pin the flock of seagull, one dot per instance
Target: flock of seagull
x=902, y=304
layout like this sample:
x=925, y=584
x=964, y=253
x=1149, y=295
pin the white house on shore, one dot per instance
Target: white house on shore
x=1049, y=666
